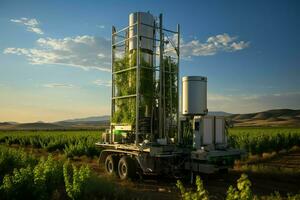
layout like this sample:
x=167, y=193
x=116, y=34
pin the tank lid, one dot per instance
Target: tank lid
x=142, y=13
x=194, y=78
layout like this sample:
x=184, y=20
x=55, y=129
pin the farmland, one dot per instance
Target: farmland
x=72, y=143
x=260, y=140
x=78, y=143
x=64, y=153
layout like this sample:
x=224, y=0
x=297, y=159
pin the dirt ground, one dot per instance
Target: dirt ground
x=263, y=182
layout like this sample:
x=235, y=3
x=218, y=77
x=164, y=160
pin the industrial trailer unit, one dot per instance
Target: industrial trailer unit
x=147, y=134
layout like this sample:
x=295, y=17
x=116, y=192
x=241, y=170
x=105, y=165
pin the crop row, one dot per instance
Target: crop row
x=77, y=143
x=72, y=143
x=26, y=177
x=260, y=140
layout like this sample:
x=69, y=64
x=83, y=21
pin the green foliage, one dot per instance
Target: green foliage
x=83, y=147
x=171, y=91
x=81, y=183
x=73, y=143
x=200, y=193
x=47, y=176
x=19, y=185
x=125, y=112
x=37, y=182
x=170, y=86
x=11, y=158
x=50, y=179
x=260, y=140
x=76, y=180
x=188, y=133
x=125, y=84
x=243, y=190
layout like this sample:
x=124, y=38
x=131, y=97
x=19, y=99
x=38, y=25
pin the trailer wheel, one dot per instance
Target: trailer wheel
x=110, y=164
x=126, y=168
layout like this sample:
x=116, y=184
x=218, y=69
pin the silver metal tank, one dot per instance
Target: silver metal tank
x=194, y=95
x=146, y=31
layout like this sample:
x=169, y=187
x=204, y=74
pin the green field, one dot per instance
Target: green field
x=72, y=143
x=26, y=176
x=267, y=139
x=78, y=143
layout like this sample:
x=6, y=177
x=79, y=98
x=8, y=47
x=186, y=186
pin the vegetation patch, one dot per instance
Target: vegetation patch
x=50, y=179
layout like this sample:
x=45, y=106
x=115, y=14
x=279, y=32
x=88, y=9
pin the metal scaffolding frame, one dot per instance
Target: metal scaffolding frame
x=159, y=100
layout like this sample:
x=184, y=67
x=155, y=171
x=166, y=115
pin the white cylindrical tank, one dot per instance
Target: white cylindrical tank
x=144, y=30
x=194, y=95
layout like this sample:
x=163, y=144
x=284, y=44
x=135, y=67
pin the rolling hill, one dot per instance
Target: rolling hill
x=279, y=117
x=93, y=125
x=38, y=125
x=88, y=119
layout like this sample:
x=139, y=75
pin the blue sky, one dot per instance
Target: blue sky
x=54, y=55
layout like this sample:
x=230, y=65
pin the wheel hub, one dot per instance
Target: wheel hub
x=124, y=169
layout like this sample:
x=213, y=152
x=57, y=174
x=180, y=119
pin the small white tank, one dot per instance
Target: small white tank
x=194, y=95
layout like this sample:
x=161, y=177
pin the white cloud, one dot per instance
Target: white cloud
x=222, y=39
x=89, y=52
x=100, y=26
x=239, y=46
x=102, y=83
x=35, y=30
x=58, y=85
x=26, y=21
x=213, y=45
x=85, y=52
x=32, y=25
x=101, y=55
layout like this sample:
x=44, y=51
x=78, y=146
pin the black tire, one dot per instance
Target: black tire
x=110, y=165
x=126, y=168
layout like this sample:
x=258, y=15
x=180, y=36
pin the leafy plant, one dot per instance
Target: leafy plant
x=11, y=159
x=243, y=190
x=19, y=185
x=50, y=179
x=47, y=176
x=75, y=180
x=200, y=193
x=37, y=182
